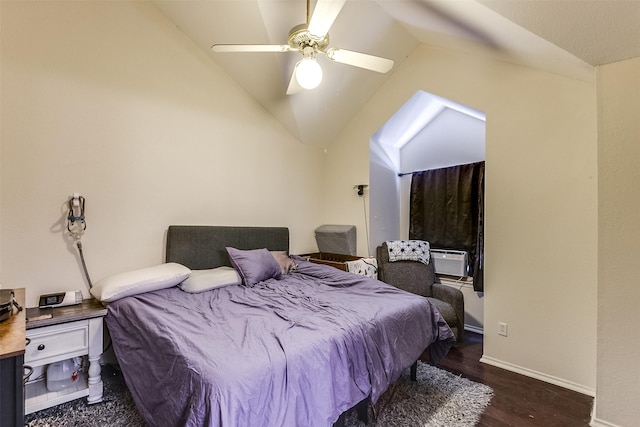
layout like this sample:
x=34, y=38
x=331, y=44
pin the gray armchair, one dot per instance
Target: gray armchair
x=420, y=279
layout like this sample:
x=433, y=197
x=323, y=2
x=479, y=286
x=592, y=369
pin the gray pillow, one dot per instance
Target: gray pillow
x=287, y=265
x=254, y=265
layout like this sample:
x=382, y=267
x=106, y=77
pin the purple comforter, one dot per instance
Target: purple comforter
x=292, y=352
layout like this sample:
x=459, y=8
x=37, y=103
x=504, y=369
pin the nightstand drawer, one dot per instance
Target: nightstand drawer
x=52, y=341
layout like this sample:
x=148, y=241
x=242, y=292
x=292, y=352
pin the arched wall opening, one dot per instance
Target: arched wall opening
x=427, y=132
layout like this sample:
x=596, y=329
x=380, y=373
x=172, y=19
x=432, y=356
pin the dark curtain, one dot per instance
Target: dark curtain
x=447, y=210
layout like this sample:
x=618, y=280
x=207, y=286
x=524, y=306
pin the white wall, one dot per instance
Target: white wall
x=452, y=138
x=541, y=202
x=385, y=196
x=111, y=100
x=1, y=109
x=619, y=244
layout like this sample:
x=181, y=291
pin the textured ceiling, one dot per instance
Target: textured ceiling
x=598, y=32
x=566, y=37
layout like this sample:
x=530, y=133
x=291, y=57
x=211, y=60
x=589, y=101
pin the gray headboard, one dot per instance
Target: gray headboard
x=201, y=247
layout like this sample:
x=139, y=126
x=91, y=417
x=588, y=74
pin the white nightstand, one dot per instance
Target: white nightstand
x=70, y=332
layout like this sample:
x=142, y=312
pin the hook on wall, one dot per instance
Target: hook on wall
x=360, y=188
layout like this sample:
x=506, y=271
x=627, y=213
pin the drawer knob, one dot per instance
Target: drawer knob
x=41, y=347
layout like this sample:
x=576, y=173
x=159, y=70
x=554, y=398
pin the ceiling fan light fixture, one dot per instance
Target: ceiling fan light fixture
x=308, y=73
x=311, y=38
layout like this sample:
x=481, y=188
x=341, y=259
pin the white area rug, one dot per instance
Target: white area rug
x=437, y=399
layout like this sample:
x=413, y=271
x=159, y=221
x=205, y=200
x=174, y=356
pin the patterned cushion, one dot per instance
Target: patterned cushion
x=409, y=250
x=367, y=267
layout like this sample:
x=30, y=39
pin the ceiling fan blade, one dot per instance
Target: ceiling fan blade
x=294, y=86
x=362, y=60
x=251, y=48
x=324, y=14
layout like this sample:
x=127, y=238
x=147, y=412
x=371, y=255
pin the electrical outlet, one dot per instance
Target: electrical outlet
x=502, y=329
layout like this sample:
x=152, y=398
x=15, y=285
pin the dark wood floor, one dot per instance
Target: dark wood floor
x=518, y=400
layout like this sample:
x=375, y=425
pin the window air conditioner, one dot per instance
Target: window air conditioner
x=453, y=263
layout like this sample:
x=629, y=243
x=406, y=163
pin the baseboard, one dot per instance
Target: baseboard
x=595, y=422
x=601, y=423
x=538, y=375
x=475, y=329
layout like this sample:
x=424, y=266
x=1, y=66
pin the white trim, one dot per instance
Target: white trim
x=475, y=329
x=538, y=375
x=601, y=423
x=595, y=422
x=456, y=281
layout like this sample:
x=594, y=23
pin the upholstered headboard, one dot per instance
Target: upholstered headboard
x=201, y=247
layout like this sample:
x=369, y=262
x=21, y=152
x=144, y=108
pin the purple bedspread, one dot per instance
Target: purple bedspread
x=292, y=352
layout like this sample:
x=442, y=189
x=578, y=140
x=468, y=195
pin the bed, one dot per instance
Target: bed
x=298, y=351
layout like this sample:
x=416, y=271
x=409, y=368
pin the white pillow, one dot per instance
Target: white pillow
x=203, y=280
x=139, y=281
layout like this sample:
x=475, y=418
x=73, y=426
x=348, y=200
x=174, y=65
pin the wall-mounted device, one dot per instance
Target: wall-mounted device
x=60, y=299
x=76, y=225
x=360, y=189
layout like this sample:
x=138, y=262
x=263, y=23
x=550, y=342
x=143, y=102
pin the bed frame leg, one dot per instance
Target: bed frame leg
x=340, y=421
x=363, y=411
x=414, y=371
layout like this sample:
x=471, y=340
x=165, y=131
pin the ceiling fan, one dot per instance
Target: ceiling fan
x=310, y=39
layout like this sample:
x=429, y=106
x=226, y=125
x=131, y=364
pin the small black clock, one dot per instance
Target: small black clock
x=60, y=299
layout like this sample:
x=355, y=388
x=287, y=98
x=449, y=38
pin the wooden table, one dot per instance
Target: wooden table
x=12, y=348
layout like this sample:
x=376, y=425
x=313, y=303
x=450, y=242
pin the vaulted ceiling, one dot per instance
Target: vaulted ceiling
x=569, y=37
